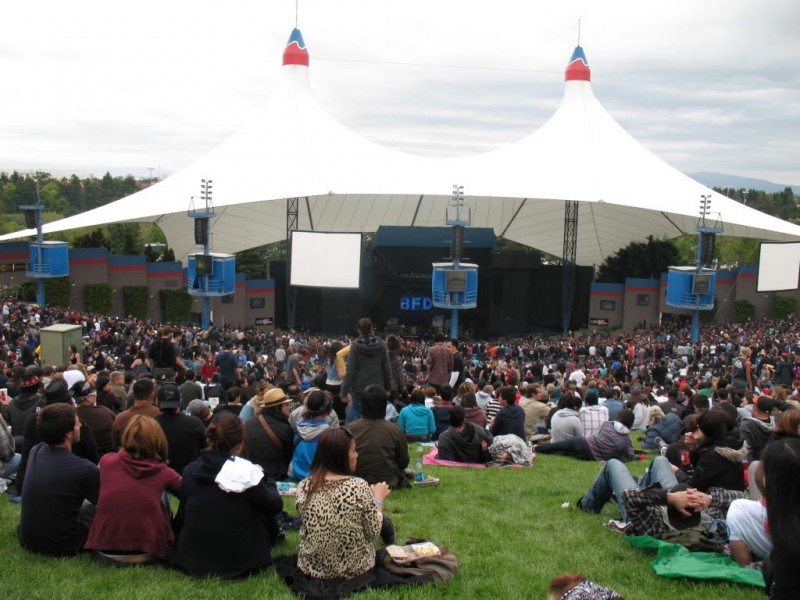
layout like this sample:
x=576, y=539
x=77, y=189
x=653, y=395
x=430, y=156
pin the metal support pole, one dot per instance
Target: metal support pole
x=292, y=222
x=570, y=251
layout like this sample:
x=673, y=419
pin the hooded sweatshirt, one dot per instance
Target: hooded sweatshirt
x=20, y=408
x=417, y=419
x=465, y=446
x=367, y=364
x=510, y=420
x=757, y=434
x=130, y=515
x=227, y=534
x=566, y=424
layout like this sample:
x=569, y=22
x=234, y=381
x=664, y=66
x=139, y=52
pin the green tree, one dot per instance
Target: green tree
x=124, y=238
x=647, y=260
x=781, y=307
x=96, y=238
x=743, y=311
x=53, y=199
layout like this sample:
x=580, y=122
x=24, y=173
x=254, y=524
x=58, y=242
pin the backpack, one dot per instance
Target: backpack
x=701, y=538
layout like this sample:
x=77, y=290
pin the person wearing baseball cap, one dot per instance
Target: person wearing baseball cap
x=186, y=435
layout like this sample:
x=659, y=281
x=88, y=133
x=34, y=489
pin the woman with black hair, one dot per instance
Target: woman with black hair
x=782, y=480
x=227, y=518
x=342, y=515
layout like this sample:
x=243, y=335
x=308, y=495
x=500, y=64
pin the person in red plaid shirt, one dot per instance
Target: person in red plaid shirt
x=440, y=363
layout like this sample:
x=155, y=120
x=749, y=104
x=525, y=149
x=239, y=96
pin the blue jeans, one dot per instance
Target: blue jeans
x=10, y=468
x=353, y=412
x=615, y=478
x=574, y=446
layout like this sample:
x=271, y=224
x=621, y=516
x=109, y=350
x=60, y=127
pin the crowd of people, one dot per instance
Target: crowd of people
x=216, y=417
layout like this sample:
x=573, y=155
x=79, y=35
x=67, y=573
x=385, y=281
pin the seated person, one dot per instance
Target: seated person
x=214, y=389
x=592, y=415
x=747, y=519
x=441, y=410
x=416, y=419
x=382, y=447
x=464, y=442
x=227, y=518
x=666, y=427
x=60, y=489
x=612, y=441
x=534, y=403
x=510, y=419
x=314, y=421
x=269, y=435
x=9, y=460
x=132, y=518
x=566, y=422
x=342, y=514
x=472, y=412
x=717, y=465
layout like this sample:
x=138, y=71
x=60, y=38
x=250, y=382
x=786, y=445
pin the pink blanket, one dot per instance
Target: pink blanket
x=432, y=458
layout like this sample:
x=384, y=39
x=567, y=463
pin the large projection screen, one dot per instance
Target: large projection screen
x=330, y=260
x=778, y=267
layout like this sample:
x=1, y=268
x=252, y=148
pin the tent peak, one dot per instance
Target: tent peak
x=578, y=67
x=295, y=53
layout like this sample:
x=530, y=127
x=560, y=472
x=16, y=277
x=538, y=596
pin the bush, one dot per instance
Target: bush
x=782, y=306
x=743, y=310
x=98, y=298
x=135, y=300
x=57, y=291
x=176, y=305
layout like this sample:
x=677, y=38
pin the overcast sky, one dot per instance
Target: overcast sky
x=92, y=85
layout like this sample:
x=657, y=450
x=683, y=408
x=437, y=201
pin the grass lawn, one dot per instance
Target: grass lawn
x=506, y=526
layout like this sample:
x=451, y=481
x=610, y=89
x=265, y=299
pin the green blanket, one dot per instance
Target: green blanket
x=673, y=560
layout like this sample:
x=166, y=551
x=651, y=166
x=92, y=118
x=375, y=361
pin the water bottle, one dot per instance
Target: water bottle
x=419, y=474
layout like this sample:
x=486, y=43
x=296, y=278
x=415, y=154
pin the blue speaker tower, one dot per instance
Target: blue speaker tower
x=209, y=274
x=693, y=288
x=454, y=285
x=46, y=259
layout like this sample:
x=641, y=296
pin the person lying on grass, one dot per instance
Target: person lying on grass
x=611, y=441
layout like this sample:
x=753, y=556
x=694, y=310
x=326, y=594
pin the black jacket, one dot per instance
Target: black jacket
x=262, y=450
x=465, y=446
x=223, y=534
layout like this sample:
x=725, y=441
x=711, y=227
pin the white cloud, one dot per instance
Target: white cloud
x=706, y=85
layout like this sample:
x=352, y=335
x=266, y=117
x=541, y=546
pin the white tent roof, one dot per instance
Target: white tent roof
x=293, y=148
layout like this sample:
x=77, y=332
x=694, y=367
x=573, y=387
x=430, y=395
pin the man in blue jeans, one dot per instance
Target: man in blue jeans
x=615, y=478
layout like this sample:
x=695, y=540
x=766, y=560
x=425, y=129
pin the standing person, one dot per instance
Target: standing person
x=280, y=358
x=394, y=346
x=333, y=381
x=228, y=365
x=440, y=363
x=742, y=371
x=381, y=444
x=457, y=373
x=236, y=541
x=132, y=521
x=163, y=355
x=294, y=374
x=367, y=364
x=60, y=489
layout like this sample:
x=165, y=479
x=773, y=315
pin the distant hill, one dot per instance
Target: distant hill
x=721, y=180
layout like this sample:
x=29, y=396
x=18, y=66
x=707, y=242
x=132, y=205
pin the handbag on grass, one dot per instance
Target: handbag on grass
x=409, y=561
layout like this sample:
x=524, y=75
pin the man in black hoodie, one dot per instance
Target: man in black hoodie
x=465, y=443
x=757, y=430
x=367, y=364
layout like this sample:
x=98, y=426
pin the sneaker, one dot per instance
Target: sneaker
x=661, y=445
x=615, y=526
x=581, y=506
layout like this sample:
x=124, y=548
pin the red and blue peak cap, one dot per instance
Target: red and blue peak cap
x=295, y=53
x=578, y=67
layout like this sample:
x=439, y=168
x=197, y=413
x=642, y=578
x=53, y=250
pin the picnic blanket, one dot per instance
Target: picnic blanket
x=673, y=560
x=432, y=458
